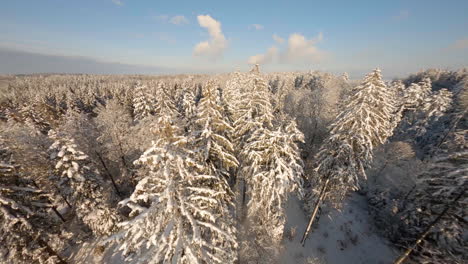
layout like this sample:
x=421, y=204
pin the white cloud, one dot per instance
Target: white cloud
x=215, y=46
x=303, y=50
x=179, y=20
x=278, y=39
x=266, y=58
x=117, y=2
x=299, y=50
x=460, y=44
x=256, y=26
x=402, y=15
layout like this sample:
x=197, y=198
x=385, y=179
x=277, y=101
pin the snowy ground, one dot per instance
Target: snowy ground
x=341, y=237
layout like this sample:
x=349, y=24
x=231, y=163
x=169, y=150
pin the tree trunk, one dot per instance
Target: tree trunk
x=314, y=212
x=50, y=251
x=109, y=174
x=54, y=208
x=58, y=213
x=63, y=197
x=122, y=157
x=426, y=232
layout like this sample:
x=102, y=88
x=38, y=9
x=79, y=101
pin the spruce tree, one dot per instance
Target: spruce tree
x=434, y=218
x=214, y=132
x=143, y=102
x=85, y=189
x=433, y=107
x=176, y=209
x=363, y=124
x=273, y=170
x=26, y=227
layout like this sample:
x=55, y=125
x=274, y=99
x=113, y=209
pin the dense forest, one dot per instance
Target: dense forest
x=203, y=168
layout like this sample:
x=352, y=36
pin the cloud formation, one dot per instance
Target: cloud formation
x=179, y=20
x=302, y=50
x=299, y=50
x=256, y=26
x=215, y=46
x=278, y=39
x=176, y=20
x=117, y=2
x=266, y=58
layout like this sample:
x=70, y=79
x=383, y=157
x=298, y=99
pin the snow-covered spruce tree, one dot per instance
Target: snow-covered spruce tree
x=176, y=209
x=414, y=97
x=233, y=92
x=273, y=169
x=438, y=188
x=433, y=107
x=165, y=104
x=85, y=189
x=398, y=92
x=270, y=163
x=84, y=131
x=26, y=227
x=363, y=124
x=30, y=147
x=143, y=102
x=213, y=133
x=187, y=85
x=345, y=76
x=187, y=105
x=33, y=116
x=114, y=125
x=248, y=105
x=426, y=86
x=251, y=106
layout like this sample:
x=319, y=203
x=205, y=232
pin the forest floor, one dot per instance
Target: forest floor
x=345, y=236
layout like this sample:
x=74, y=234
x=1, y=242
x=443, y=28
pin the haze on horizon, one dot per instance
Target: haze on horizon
x=128, y=37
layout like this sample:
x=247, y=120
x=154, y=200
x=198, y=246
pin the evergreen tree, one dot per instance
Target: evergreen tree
x=165, y=105
x=273, y=170
x=143, y=102
x=214, y=132
x=252, y=106
x=26, y=227
x=363, y=124
x=415, y=95
x=437, y=189
x=114, y=124
x=433, y=107
x=440, y=198
x=188, y=104
x=83, y=186
x=345, y=76
x=250, y=109
x=176, y=208
x=398, y=93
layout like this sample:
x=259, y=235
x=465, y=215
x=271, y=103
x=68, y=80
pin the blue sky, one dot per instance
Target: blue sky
x=223, y=36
